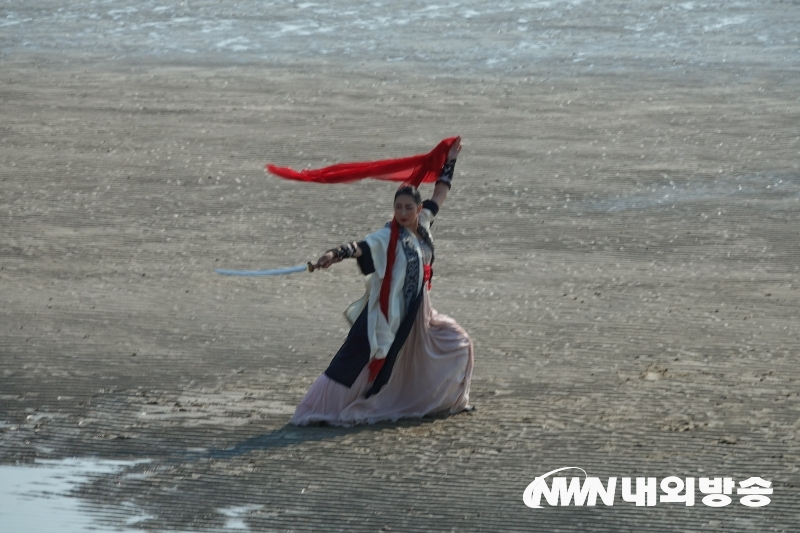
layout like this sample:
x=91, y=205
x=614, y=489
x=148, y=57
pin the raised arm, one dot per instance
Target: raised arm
x=440, y=190
x=445, y=180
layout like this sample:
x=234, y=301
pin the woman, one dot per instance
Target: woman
x=401, y=358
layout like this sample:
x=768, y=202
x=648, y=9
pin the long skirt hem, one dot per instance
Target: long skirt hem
x=431, y=377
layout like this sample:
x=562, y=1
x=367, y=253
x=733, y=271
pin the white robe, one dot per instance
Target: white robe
x=382, y=330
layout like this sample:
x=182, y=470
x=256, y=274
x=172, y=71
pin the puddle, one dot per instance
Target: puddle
x=36, y=498
x=39, y=498
x=235, y=516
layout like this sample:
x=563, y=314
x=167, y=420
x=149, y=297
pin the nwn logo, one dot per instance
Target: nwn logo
x=561, y=493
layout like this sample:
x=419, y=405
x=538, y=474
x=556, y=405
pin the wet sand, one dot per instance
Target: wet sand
x=622, y=250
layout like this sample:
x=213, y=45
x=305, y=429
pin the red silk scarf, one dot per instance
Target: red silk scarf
x=414, y=170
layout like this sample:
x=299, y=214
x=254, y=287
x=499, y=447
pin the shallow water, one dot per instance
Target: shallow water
x=41, y=498
x=451, y=36
x=36, y=498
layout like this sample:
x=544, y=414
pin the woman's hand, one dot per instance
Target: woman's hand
x=336, y=255
x=327, y=259
x=454, y=150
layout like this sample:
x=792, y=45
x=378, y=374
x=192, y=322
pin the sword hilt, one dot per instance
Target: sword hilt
x=311, y=267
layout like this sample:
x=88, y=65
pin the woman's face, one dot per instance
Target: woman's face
x=406, y=211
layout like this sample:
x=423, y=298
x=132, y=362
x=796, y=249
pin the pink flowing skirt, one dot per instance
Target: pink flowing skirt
x=431, y=376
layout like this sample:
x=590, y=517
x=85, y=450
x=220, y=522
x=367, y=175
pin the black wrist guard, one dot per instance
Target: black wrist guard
x=344, y=251
x=446, y=176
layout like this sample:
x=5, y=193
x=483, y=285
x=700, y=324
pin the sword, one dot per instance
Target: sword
x=276, y=272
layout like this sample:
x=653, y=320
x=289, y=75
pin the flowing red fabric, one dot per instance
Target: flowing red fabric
x=414, y=170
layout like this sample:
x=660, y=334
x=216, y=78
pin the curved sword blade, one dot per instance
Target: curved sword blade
x=275, y=272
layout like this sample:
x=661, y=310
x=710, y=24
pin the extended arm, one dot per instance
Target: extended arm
x=335, y=255
x=445, y=180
